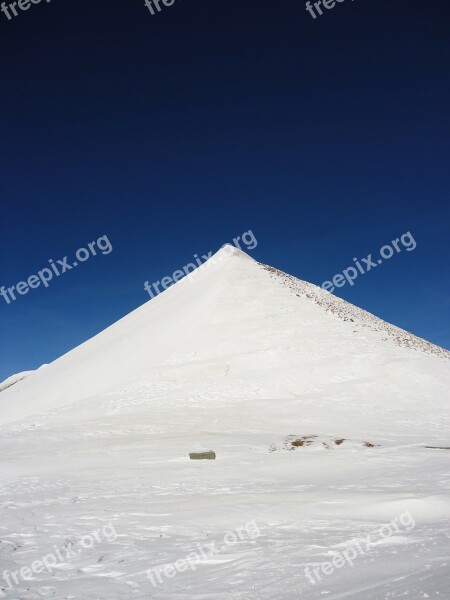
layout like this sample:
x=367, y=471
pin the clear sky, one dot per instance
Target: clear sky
x=173, y=133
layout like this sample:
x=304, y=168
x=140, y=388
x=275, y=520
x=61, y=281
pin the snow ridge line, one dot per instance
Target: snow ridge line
x=348, y=312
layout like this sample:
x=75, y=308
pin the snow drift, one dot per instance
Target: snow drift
x=318, y=413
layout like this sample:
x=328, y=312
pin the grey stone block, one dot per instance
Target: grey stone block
x=209, y=455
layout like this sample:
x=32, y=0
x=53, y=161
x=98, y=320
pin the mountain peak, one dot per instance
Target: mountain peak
x=237, y=325
x=231, y=250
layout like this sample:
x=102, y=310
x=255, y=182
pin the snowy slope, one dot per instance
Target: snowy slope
x=242, y=359
x=14, y=379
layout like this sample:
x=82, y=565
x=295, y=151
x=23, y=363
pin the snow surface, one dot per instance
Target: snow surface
x=244, y=360
x=14, y=379
x=17, y=377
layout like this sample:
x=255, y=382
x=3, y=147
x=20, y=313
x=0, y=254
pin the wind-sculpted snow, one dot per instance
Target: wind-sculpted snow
x=10, y=381
x=318, y=414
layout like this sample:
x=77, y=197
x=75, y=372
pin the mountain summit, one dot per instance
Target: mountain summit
x=254, y=331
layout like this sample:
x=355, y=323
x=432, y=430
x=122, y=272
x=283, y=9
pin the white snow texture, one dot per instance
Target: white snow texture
x=318, y=412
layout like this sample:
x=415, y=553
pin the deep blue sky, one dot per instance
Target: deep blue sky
x=173, y=133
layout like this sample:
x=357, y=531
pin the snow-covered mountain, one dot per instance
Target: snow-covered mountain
x=319, y=414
